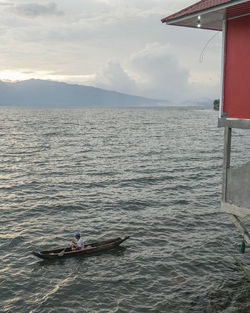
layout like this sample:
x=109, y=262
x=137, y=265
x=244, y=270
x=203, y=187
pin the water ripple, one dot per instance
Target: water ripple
x=142, y=172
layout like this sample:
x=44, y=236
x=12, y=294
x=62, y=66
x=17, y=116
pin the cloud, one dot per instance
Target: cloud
x=35, y=10
x=152, y=72
x=158, y=72
x=112, y=74
x=5, y=4
x=113, y=44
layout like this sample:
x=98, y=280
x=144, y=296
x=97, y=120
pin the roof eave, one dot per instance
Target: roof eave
x=195, y=27
x=178, y=20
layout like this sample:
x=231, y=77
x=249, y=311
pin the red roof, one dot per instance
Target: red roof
x=212, y=13
x=199, y=6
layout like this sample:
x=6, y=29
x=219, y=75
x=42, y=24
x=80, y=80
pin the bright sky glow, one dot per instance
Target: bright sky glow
x=12, y=76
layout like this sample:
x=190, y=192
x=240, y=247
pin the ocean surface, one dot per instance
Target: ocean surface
x=151, y=173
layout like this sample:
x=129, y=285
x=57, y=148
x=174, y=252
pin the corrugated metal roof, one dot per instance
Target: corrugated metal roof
x=212, y=13
x=238, y=10
x=199, y=6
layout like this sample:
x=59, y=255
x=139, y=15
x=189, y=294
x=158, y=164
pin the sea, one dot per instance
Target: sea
x=153, y=174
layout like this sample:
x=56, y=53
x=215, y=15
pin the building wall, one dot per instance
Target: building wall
x=237, y=68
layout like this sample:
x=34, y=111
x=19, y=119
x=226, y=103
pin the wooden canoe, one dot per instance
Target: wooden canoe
x=88, y=249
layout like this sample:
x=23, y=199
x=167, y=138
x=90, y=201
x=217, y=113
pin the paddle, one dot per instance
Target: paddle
x=63, y=251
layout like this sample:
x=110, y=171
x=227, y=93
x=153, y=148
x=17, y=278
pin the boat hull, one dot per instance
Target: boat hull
x=89, y=249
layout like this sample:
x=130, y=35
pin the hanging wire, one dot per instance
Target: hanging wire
x=205, y=47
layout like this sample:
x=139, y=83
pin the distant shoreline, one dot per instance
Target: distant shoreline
x=43, y=93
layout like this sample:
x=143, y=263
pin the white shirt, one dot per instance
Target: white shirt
x=80, y=244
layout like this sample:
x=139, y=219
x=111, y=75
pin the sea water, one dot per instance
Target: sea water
x=151, y=173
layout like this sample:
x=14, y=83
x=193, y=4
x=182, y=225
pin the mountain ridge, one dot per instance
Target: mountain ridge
x=35, y=92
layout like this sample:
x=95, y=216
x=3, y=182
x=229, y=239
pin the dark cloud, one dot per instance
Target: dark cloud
x=35, y=10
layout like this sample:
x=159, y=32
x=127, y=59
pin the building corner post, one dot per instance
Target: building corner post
x=226, y=160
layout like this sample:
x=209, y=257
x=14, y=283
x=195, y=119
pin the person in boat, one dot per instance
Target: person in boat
x=79, y=244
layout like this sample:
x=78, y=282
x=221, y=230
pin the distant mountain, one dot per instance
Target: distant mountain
x=50, y=93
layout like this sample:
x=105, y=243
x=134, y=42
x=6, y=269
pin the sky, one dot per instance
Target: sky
x=119, y=45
